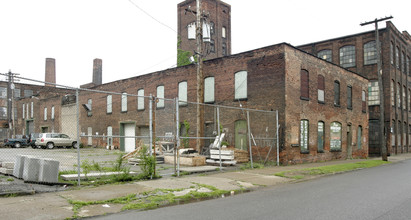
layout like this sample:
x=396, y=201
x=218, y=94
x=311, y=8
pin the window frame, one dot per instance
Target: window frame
x=325, y=54
x=182, y=93
x=140, y=99
x=209, y=88
x=241, y=85
x=160, y=91
x=337, y=93
x=124, y=102
x=349, y=97
x=320, y=150
x=191, y=31
x=337, y=136
x=347, y=56
x=304, y=135
x=109, y=104
x=370, y=53
x=45, y=114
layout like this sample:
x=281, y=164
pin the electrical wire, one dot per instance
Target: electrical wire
x=152, y=17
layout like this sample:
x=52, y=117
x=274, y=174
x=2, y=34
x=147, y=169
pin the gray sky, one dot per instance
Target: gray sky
x=131, y=43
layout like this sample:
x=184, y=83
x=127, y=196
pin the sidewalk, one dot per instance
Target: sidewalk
x=56, y=205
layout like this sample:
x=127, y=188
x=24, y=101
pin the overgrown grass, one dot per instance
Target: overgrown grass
x=256, y=165
x=152, y=199
x=331, y=169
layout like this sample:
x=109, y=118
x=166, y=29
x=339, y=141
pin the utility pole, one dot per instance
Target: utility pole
x=380, y=85
x=10, y=103
x=200, y=78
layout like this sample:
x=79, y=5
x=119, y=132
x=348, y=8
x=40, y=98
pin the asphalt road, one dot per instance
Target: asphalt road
x=376, y=193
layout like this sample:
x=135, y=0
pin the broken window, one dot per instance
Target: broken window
x=304, y=135
x=325, y=55
x=304, y=87
x=321, y=88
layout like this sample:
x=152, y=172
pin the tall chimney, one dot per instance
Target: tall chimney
x=97, y=71
x=50, y=72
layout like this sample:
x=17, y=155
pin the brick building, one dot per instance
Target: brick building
x=358, y=54
x=322, y=107
x=216, y=27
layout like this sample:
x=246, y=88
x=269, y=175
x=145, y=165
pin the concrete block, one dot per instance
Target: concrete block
x=6, y=171
x=8, y=165
x=48, y=170
x=31, y=169
x=19, y=166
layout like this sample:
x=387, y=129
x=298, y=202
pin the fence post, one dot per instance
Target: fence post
x=78, y=137
x=177, y=147
x=249, y=139
x=219, y=134
x=278, y=149
x=150, y=124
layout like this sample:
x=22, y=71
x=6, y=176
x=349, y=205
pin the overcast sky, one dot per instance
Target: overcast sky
x=132, y=43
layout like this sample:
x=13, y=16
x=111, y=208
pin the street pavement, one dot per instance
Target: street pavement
x=55, y=205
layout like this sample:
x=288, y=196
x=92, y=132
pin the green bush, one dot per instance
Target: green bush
x=147, y=163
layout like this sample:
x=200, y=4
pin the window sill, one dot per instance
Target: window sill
x=321, y=102
x=123, y=111
x=320, y=151
x=295, y=145
x=241, y=99
x=335, y=150
x=305, y=152
x=109, y=113
x=338, y=106
x=304, y=98
x=350, y=108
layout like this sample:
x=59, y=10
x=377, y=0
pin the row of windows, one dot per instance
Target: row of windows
x=347, y=56
x=304, y=79
x=45, y=113
x=17, y=93
x=402, y=62
x=208, y=30
x=396, y=92
x=240, y=93
x=400, y=133
x=335, y=136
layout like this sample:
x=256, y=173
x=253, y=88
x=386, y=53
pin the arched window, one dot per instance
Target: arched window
x=240, y=86
x=347, y=56
x=325, y=55
x=335, y=136
x=304, y=87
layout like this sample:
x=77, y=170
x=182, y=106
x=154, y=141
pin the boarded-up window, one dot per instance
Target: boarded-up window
x=397, y=57
x=209, y=89
x=392, y=53
x=392, y=93
x=240, y=85
x=304, y=135
x=52, y=112
x=304, y=85
x=160, y=96
x=223, y=32
x=320, y=137
x=24, y=111
x=109, y=104
x=398, y=95
x=123, y=102
x=364, y=103
x=321, y=88
x=191, y=29
x=140, y=99
x=359, y=137
x=32, y=110
x=404, y=97
x=336, y=93
x=182, y=93
x=45, y=114
x=335, y=136
x=349, y=97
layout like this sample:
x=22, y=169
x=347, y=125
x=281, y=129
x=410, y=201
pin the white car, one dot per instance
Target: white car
x=51, y=140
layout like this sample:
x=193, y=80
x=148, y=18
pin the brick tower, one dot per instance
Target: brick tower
x=216, y=27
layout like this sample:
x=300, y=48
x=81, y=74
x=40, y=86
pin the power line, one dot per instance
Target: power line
x=151, y=16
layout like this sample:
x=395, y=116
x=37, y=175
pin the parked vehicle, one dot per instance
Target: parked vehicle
x=33, y=137
x=19, y=141
x=51, y=140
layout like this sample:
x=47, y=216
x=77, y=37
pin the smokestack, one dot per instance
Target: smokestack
x=97, y=71
x=50, y=72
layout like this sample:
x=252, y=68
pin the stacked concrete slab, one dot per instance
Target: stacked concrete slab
x=7, y=168
x=33, y=169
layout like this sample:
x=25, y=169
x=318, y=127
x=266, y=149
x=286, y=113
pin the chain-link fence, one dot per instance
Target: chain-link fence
x=86, y=132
